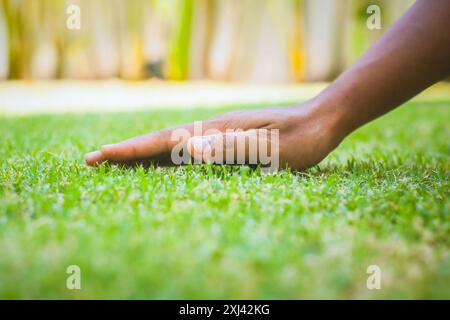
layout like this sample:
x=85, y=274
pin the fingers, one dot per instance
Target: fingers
x=256, y=146
x=145, y=148
x=136, y=148
x=94, y=158
x=168, y=142
x=152, y=145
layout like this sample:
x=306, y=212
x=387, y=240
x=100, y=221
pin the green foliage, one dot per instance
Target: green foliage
x=179, y=52
x=224, y=232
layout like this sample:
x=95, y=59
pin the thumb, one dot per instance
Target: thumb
x=256, y=146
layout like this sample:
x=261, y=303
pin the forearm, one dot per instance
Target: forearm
x=410, y=57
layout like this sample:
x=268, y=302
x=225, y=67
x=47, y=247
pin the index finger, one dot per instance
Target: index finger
x=142, y=147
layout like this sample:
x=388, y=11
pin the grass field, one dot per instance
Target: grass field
x=381, y=198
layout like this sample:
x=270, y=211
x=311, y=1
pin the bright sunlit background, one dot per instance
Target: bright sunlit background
x=228, y=40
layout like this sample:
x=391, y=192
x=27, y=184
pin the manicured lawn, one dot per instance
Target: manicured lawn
x=225, y=232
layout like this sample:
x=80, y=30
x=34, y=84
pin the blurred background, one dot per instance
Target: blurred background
x=257, y=41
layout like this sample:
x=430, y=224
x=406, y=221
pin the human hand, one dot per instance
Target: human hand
x=306, y=135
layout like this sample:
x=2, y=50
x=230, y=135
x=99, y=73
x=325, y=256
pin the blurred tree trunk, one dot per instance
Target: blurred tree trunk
x=42, y=21
x=4, y=45
x=178, y=60
x=325, y=29
x=132, y=61
x=200, y=39
x=227, y=24
x=155, y=40
x=17, y=43
x=296, y=42
x=264, y=47
x=104, y=44
x=76, y=53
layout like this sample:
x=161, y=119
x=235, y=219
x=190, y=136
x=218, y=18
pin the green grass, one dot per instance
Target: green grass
x=221, y=232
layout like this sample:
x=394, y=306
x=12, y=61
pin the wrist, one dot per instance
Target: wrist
x=331, y=115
